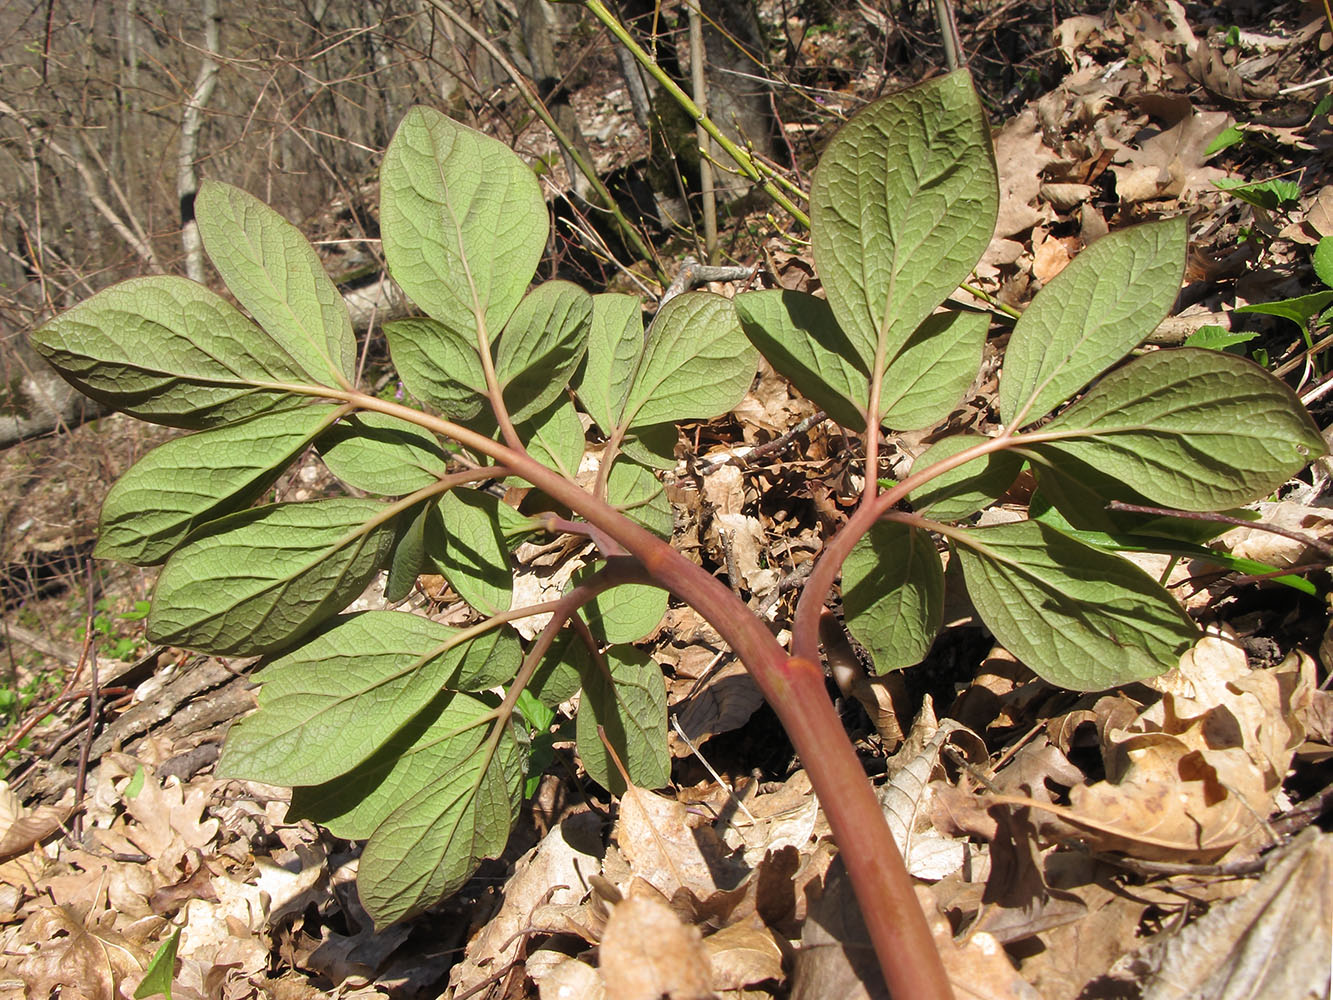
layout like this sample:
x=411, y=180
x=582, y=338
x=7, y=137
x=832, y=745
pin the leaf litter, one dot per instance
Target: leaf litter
x=1136, y=843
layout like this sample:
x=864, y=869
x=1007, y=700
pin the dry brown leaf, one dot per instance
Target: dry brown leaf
x=725, y=701
x=1050, y=256
x=1272, y=942
x=555, y=872
x=32, y=827
x=87, y=960
x=1171, y=163
x=1020, y=155
x=569, y=980
x=1274, y=549
x=742, y=954
x=1196, y=774
x=648, y=954
x=669, y=849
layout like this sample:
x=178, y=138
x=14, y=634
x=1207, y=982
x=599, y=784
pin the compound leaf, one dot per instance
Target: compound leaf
x=166, y=350
x=259, y=579
x=328, y=706
x=542, y=346
x=1080, y=617
x=277, y=276
x=463, y=222
x=696, y=363
x=903, y=205
x=1090, y=315
x=471, y=552
x=191, y=480
x=382, y=454
x=893, y=593
x=631, y=709
x=1188, y=428
x=439, y=365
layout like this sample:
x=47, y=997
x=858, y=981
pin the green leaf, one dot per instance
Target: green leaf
x=1190, y=429
x=278, y=278
x=653, y=445
x=1228, y=137
x=328, y=706
x=382, y=454
x=631, y=708
x=615, y=343
x=1216, y=338
x=903, y=205
x=1270, y=195
x=1080, y=617
x=191, y=480
x=435, y=801
x=961, y=492
x=1081, y=493
x=561, y=672
x=166, y=350
x=933, y=370
x=474, y=556
x=1298, y=310
x=463, y=222
x=798, y=335
x=542, y=346
x=696, y=363
x=409, y=558
x=161, y=970
x=258, y=580
x=800, y=338
x=1089, y=316
x=1322, y=261
x=1171, y=544
x=893, y=594
x=438, y=365
x=626, y=613
x=554, y=437
x=640, y=496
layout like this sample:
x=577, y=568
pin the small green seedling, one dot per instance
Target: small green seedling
x=388, y=725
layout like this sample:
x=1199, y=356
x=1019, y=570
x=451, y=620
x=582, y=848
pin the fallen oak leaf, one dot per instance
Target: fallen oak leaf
x=647, y=953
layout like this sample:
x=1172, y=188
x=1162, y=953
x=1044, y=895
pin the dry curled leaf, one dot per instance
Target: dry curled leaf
x=648, y=954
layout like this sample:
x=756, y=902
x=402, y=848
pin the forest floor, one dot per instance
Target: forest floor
x=1055, y=835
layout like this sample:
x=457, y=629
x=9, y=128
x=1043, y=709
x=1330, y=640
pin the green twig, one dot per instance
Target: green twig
x=755, y=170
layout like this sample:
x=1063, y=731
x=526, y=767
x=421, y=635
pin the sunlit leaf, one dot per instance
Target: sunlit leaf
x=382, y=454
x=463, y=222
x=439, y=365
x=1080, y=617
x=167, y=350
x=902, y=206
x=279, y=279
x=260, y=579
x=191, y=480
x=328, y=706
x=541, y=347
x=1190, y=429
x=1089, y=316
x=893, y=594
x=696, y=363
